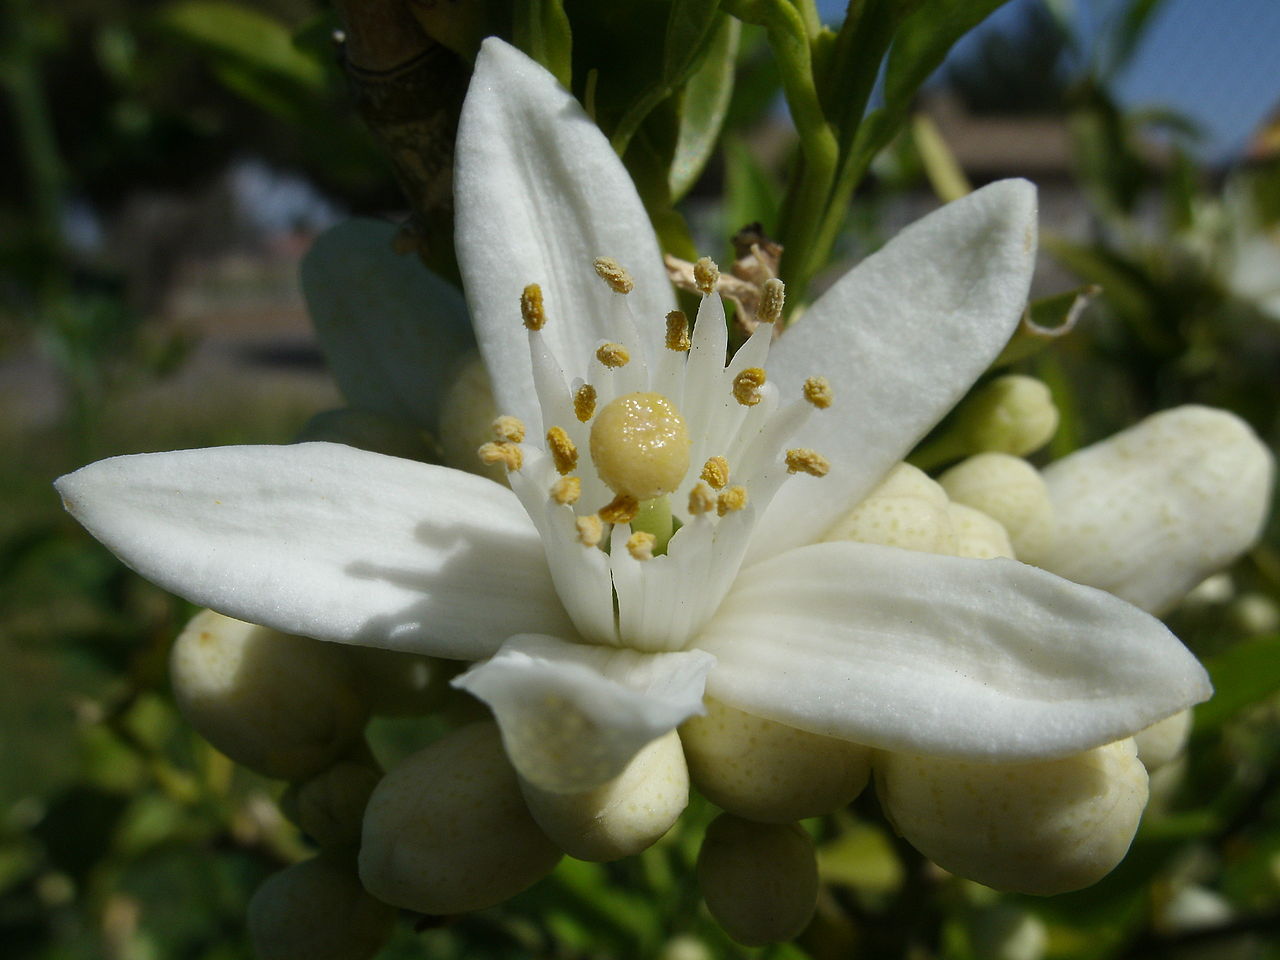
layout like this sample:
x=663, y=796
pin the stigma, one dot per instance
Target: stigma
x=640, y=446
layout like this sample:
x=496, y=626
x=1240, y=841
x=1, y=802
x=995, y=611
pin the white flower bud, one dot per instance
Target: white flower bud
x=760, y=880
x=907, y=510
x=1193, y=908
x=1011, y=491
x=282, y=705
x=317, y=910
x=1255, y=613
x=1043, y=828
x=400, y=684
x=766, y=771
x=1006, y=932
x=978, y=535
x=330, y=806
x=466, y=421
x=624, y=816
x=1163, y=741
x=685, y=946
x=448, y=831
x=1011, y=414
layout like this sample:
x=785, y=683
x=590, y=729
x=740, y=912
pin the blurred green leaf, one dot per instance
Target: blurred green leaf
x=861, y=857
x=542, y=30
x=704, y=105
x=1242, y=676
x=750, y=193
x=1045, y=321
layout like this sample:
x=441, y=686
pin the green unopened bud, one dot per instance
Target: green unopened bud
x=770, y=772
x=760, y=880
x=448, y=831
x=1006, y=932
x=1044, y=828
x=466, y=421
x=369, y=431
x=400, y=684
x=1011, y=491
x=624, y=816
x=978, y=535
x=1163, y=742
x=317, y=910
x=330, y=806
x=906, y=510
x=282, y=705
x=1011, y=414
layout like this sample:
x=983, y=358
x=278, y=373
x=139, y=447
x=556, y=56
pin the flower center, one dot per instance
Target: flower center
x=640, y=446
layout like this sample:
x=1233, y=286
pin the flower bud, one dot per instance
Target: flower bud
x=1164, y=741
x=330, y=806
x=978, y=535
x=1006, y=932
x=466, y=421
x=369, y=431
x=1011, y=491
x=400, y=684
x=760, y=880
x=1011, y=414
x=1044, y=828
x=766, y=771
x=907, y=510
x=317, y=910
x=624, y=816
x=448, y=831
x=282, y=705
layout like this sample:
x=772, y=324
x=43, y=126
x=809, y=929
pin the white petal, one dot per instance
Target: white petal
x=901, y=337
x=573, y=715
x=393, y=333
x=327, y=541
x=943, y=656
x=540, y=194
x=1152, y=511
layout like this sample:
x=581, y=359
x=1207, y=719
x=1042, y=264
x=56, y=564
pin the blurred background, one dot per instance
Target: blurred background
x=164, y=164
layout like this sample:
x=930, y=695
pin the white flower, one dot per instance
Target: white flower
x=587, y=654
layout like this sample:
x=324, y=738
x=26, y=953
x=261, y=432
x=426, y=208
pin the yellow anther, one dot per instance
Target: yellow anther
x=818, y=392
x=804, y=460
x=701, y=499
x=678, y=331
x=590, y=530
x=621, y=509
x=640, y=545
x=584, y=403
x=735, y=498
x=640, y=445
x=614, y=274
x=563, y=453
x=746, y=386
x=716, y=472
x=566, y=490
x=508, y=454
x=613, y=355
x=773, y=296
x=706, y=274
x=531, y=310
x=508, y=428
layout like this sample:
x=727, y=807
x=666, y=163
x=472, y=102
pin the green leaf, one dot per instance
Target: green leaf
x=750, y=193
x=541, y=29
x=704, y=105
x=1242, y=676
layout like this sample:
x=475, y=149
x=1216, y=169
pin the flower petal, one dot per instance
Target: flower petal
x=573, y=715
x=540, y=194
x=1152, y=511
x=901, y=337
x=327, y=541
x=943, y=656
x=392, y=332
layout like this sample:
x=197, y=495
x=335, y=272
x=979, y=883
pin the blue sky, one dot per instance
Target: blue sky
x=1216, y=60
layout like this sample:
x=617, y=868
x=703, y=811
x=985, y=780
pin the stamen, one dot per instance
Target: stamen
x=746, y=386
x=640, y=545
x=531, y=310
x=706, y=274
x=613, y=355
x=772, y=299
x=716, y=472
x=621, y=509
x=508, y=454
x=590, y=530
x=735, y=498
x=614, y=274
x=584, y=403
x=818, y=392
x=678, y=331
x=566, y=490
x=804, y=460
x=701, y=499
x=563, y=452
x=509, y=429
